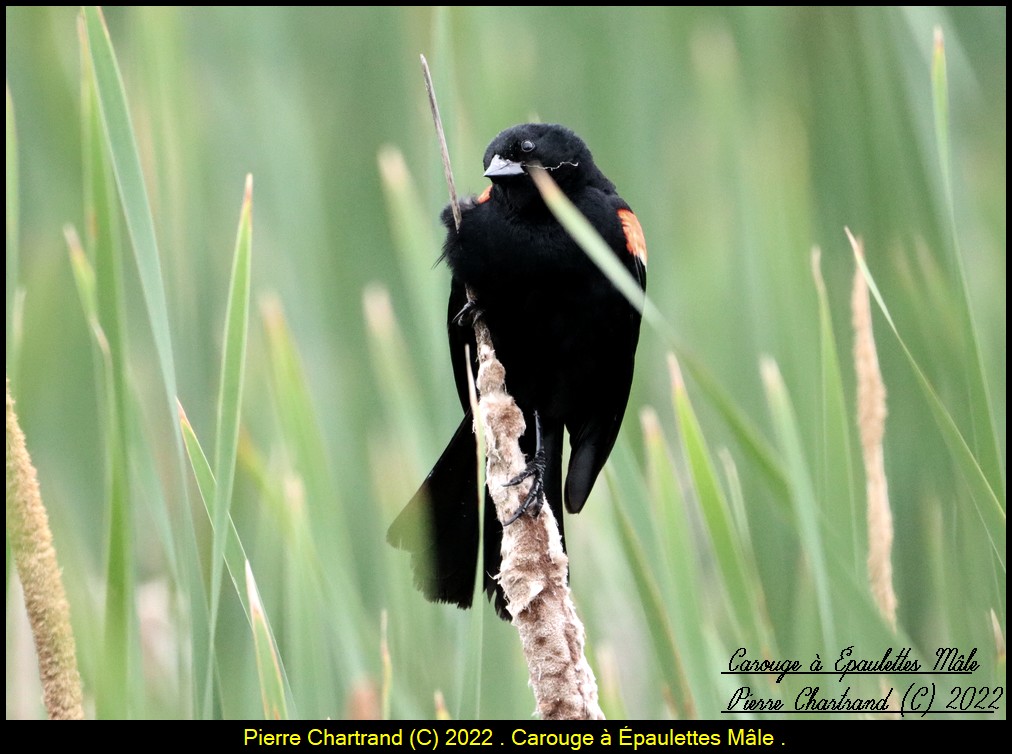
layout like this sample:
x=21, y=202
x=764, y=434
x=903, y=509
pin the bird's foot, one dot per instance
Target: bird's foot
x=535, y=468
x=469, y=314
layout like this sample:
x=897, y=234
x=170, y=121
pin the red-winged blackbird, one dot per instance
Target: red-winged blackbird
x=564, y=333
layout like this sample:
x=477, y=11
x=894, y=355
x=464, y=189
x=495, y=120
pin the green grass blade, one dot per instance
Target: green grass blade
x=84, y=276
x=416, y=245
x=738, y=577
x=234, y=555
x=132, y=191
x=940, y=108
x=655, y=610
x=12, y=210
x=836, y=469
x=387, y=347
x=114, y=683
x=272, y=685
x=230, y=400
x=745, y=431
x=295, y=406
x=443, y=66
x=737, y=506
x=388, y=668
x=115, y=698
x=802, y=495
x=302, y=440
x=985, y=430
x=689, y=627
x=202, y=471
x=989, y=508
x=122, y=147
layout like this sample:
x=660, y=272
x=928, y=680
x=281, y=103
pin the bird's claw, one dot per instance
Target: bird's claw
x=469, y=314
x=535, y=468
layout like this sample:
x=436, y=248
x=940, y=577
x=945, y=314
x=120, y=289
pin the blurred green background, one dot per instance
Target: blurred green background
x=742, y=138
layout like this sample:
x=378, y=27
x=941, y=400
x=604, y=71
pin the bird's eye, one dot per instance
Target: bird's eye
x=527, y=145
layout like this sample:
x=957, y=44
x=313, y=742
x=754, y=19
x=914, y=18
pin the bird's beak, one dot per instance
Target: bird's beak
x=500, y=168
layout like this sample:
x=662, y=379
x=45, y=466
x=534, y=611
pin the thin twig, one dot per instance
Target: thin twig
x=447, y=169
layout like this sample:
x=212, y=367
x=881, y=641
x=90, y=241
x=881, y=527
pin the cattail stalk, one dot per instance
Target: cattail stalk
x=871, y=416
x=534, y=572
x=45, y=600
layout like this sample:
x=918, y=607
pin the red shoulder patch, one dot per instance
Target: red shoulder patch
x=635, y=241
x=485, y=195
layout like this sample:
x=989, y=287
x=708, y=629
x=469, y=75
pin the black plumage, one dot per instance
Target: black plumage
x=566, y=336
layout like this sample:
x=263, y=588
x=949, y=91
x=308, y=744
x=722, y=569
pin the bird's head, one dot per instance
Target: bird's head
x=518, y=150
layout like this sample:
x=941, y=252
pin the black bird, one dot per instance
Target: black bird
x=566, y=336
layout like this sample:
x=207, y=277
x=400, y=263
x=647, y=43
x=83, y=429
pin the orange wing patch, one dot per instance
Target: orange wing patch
x=635, y=241
x=485, y=195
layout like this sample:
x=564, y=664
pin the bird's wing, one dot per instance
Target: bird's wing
x=593, y=434
x=461, y=337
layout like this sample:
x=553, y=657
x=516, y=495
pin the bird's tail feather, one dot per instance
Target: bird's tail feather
x=439, y=525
